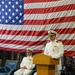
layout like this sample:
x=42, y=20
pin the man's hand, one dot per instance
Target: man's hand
x=24, y=67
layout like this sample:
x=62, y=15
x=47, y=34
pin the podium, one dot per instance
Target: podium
x=45, y=65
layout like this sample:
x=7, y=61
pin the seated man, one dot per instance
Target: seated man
x=26, y=65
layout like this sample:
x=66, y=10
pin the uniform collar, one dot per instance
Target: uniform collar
x=54, y=41
x=29, y=56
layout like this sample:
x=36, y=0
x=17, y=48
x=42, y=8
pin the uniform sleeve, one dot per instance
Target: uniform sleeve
x=45, y=50
x=31, y=67
x=22, y=63
x=60, y=53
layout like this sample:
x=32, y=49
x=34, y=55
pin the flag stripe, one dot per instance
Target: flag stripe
x=39, y=27
x=37, y=33
x=27, y=43
x=18, y=50
x=66, y=31
x=69, y=53
x=35, y=1
x=66, y=36
x=24, y=38
x=69, y=47
x=34, y=43
x=69, y=42
x=12, y=49
x=36, y=38
x=14, y=46
x=48, y=4
x=50, y=21
x=25, y=33
x=50, y=9
x=20, y=47
x=48, y=15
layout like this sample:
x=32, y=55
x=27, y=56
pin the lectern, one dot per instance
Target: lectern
x=45, y=64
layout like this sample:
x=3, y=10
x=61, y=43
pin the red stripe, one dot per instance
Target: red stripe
x=23, y=32
x=69, y=53
x=50, y=21
x=66, y=53
x=68, y=42
x=65, y=31
x=34, y=43
x=24, y=43
x=35, y=1
x=18, y=50
x=38, y=51
x=37, y=33
x=50, y=10
x=12, y=49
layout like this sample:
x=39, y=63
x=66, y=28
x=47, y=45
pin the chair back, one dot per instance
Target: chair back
x=11, y=64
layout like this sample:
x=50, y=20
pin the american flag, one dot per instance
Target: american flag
x=24, y=24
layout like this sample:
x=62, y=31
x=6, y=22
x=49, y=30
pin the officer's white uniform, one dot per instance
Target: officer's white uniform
x=55, y=49
x=28, y=62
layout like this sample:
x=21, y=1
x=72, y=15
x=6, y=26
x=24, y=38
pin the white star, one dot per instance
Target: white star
x=20, y=21
x=2, y=17
x=6, y=21
x=9, y=17
x=20, y=6
x=6, y=6
x=2, y=2
x=16, y=17
x=2, y=9
x=20, y=14
x=13, y=21
x=9, y=2
x=6, y=13
x=13, y=6
x=16, y=10
x=13, y=13
x=9, y=10
x=16, y=2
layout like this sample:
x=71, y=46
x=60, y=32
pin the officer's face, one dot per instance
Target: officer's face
x=29, y=53
x=52, y=38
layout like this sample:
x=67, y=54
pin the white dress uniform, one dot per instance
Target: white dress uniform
x=55, y=50
x=28, y=62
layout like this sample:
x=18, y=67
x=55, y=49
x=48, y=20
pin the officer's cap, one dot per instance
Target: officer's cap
x=29, y=50
x=52, y=33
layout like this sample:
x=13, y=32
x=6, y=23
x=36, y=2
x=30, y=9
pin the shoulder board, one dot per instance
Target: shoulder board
x=58, y=41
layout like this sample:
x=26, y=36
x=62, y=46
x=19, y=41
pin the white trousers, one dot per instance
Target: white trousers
x=22, y=72
x=58, y=73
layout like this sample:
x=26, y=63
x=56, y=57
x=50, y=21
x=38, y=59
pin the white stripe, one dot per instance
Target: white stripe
x=41, y=47
x=48, y=4
x=69, y=47
x=49, y=15
x=66, y=36
x=38, y=27
x=23, y=38
x=13, y=46
x=36, y=38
